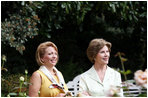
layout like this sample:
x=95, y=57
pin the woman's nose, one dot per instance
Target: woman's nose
x=54, y=55
x=106, y=53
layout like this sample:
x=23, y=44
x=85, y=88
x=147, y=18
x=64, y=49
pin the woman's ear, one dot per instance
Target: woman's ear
x=94, y=59
x=42, y=60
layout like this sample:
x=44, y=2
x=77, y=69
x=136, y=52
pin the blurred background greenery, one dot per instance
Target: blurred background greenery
x=71, y=26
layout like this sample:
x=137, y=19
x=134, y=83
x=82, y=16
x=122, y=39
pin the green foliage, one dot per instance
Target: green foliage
x=67, y=69
x=128, y=10
x=4, y=59
x=16, y=29
x=10, y=85
x=143, y=95
x=122, y=59
x=60, y=13
x=71, y=25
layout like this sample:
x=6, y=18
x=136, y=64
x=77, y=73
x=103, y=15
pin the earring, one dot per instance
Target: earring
x=94, y=59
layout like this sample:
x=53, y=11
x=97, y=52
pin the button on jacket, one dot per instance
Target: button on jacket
x=91, y=83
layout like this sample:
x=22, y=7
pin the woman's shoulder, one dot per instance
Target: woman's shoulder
x=36, y=76
x=36, y=73
x=87, y=73
x=112, y=70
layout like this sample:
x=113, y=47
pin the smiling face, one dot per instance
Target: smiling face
x=50, y=57
x=103, y=56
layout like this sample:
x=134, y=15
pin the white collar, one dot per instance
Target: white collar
x=54, y=84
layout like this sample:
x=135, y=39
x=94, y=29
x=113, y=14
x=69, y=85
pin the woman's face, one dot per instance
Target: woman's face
x=103, y=56
x=50, y=57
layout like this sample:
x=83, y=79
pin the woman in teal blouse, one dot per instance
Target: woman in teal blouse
x=99, y=79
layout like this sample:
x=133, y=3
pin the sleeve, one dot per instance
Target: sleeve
x=82, y=85
x=120, y=84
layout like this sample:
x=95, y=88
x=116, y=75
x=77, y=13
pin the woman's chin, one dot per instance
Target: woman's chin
x=53, y=64
x=105, y=63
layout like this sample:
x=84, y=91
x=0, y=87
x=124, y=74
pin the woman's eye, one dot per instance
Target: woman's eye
x=52, y=53
x=49, y=53
x=104, y=51
x=101, y=52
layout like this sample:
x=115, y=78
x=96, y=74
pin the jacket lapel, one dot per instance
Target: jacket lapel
x=93, y=74
x=107, y=75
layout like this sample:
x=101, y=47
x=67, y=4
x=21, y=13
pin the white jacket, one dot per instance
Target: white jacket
x=91, y=83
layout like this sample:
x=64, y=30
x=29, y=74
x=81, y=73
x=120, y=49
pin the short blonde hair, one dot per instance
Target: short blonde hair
x=94, y=47
x=41, y=51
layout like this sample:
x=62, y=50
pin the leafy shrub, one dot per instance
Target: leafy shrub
x=19, y=26
x=11, y=83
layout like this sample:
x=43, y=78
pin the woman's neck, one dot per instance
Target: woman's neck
x=100, y=67
x=50, y=69
x=101, y=70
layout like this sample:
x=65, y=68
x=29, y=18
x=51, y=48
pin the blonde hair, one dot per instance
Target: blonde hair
x=94, y=47
x=41, y=51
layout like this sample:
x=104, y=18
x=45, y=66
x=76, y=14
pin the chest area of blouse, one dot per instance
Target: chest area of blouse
x=97, y=88
x=45, y=91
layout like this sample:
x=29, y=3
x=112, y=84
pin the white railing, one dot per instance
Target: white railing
x=129, y=90
x=73, y=86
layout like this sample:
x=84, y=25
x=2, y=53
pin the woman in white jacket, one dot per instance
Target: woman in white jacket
x=99, y=79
